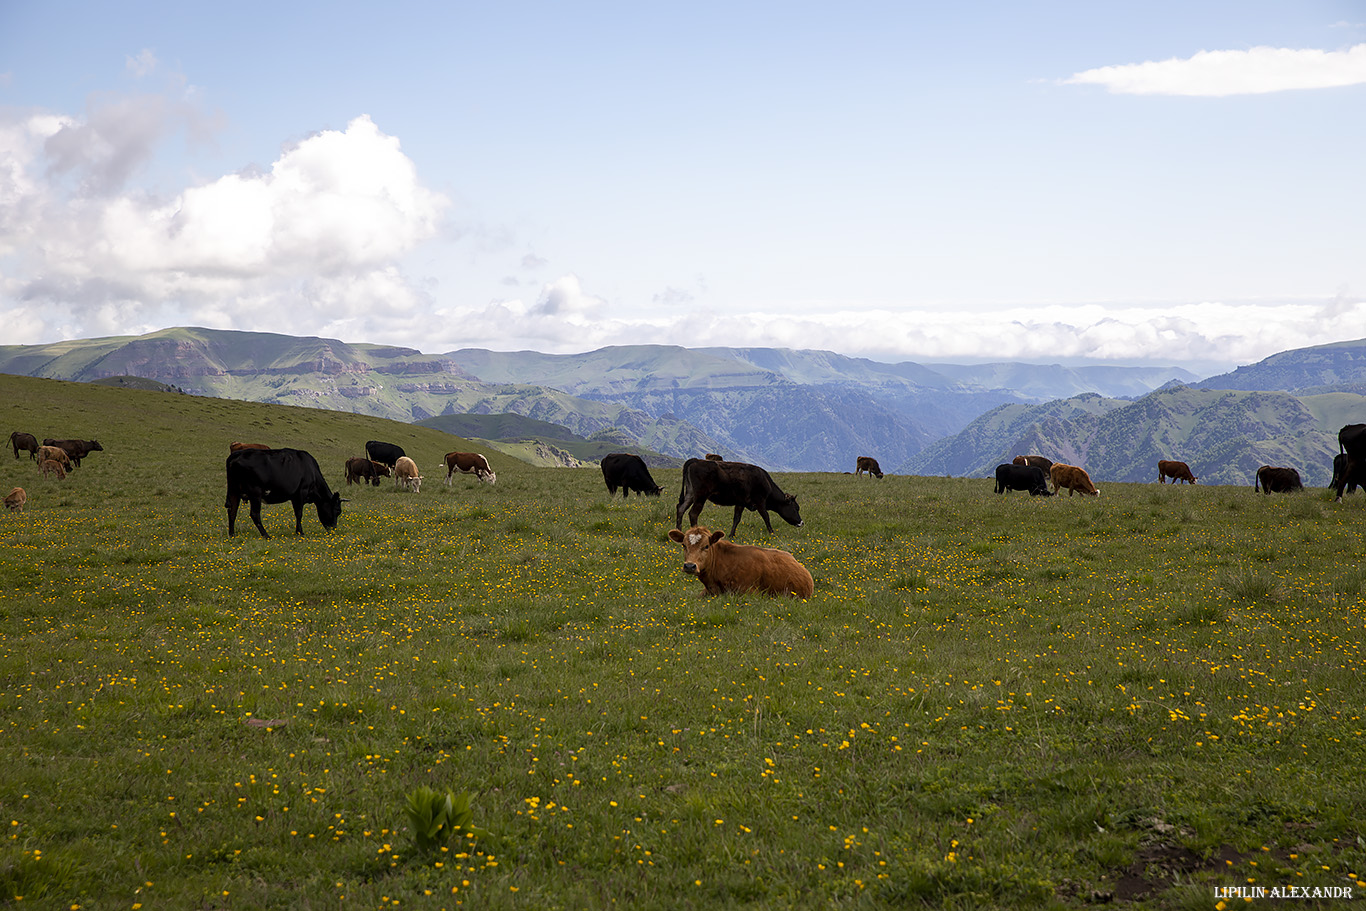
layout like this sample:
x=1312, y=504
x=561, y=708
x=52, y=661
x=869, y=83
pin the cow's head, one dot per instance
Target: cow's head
x=697, y=542
x=381, y=468
x=655, y=492
x=95, y=446
x=486, y=475
x=329, y=510
x=787, y=508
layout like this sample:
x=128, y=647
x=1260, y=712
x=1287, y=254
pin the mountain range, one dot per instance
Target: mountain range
x=786, y=409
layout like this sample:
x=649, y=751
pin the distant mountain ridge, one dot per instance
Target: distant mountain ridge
x=787, y=409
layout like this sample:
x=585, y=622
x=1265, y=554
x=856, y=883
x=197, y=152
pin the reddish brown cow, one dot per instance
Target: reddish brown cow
x=52, y=466
x=238, y=447
x=16, y=499
x=714, y=457
x=725, y=567
x=469, y=463
x=360, y=469
x=1177, y=471
x=868, y=464
x=1075, y=479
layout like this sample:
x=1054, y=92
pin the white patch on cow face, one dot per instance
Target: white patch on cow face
x=694, y=539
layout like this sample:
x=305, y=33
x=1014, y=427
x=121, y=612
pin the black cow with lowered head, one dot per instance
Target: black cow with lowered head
x=737, y=484
x=1022, y=477
x=279, y=476
x=629, y=472
x=385, y=453
x=1345, y=476
x=1277, y=479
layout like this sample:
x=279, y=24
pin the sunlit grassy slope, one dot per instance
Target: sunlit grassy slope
x=989, y=701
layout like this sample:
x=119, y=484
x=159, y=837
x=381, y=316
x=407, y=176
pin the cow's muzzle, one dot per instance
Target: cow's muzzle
x=690, y=568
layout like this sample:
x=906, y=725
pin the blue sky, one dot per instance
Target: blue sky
x=1169, y=182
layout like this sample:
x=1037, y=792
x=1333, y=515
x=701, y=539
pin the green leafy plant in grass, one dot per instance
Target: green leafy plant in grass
x=439, y=818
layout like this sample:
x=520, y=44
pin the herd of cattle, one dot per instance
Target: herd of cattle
x=260, y=474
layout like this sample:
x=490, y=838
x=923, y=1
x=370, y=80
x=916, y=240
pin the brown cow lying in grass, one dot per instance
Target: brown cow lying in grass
x=16, y=499
x=726, y=567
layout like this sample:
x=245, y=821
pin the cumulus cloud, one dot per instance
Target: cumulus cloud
x=1219, y=73
x=312, y=240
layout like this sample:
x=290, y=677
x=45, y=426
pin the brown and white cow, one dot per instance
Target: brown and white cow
x=238, y=447
x=25, y=441
x=52, y=466
x=16, y=499
x=725, y=567
x=55, y=454
x=1075, y=479
x=469, y=463
x=1177, y=471
x=405, y=474
x=868, y=464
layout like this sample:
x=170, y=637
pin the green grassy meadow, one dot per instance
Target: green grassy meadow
x=989, y=702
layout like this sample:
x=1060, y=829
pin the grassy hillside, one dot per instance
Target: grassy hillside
x=989, y=701
x=131, y=424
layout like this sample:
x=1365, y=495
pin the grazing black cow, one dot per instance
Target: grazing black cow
x=1022, y=477
x=737, y=484
x=27, y=441
x=385, y=453
x=279, y=476
x=76, y=449
x=1352, y=449
x=1278, y=480
x=629, y=472
x=1342, y=478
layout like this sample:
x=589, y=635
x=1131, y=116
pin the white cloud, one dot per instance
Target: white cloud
x=312, y=241
x=144, y=64
x=1188, y=333
x=1219, y=73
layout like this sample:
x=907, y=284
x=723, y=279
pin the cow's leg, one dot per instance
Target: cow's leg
x=298, y=517
x=695, y=511
x=232, y=504
x=256, y=516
